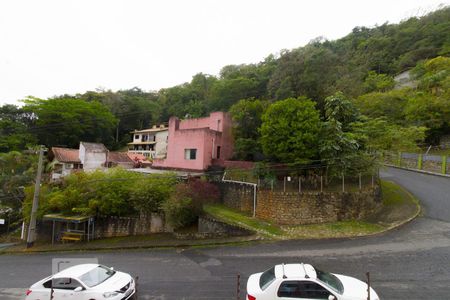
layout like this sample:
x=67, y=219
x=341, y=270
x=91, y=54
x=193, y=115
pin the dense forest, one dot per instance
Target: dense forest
x=331, y=105
x=357, y=69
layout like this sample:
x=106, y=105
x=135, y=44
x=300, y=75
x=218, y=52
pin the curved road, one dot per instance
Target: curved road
x=412, y=262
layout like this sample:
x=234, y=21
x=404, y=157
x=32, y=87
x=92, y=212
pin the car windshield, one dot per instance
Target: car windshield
x=96, y=276
x=267, y=278
x=331, y=280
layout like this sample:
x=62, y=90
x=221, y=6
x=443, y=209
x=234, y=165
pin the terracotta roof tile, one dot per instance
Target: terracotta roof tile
x=119, y=157
x=66, y=155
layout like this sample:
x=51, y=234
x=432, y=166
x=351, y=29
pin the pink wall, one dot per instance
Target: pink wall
x=203, y=134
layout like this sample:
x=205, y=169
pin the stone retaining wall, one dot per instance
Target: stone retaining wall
x=302, y=208
x=237, y=196
x=124, y=226
x=316, y=208
x=207, y=224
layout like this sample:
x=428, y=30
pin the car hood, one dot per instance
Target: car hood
x=355, y=288
x=114, y=283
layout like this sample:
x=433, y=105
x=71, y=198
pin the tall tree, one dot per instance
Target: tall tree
x=67, y=121
x=246, y=115
x=14, y=134
x=290, y=131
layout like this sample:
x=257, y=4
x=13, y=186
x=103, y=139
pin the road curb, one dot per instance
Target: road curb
x=418, y=171
x=254, y=238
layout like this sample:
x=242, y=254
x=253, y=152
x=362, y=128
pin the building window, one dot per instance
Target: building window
x=136, y=136
x=218, y=152
x=190, y=154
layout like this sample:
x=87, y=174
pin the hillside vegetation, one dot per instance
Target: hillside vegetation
x=360, y=66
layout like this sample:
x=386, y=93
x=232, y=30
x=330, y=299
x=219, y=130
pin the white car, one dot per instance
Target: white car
x=303, y=281
x=84, y=282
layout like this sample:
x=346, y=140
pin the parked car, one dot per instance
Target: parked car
x=84, y=282
x=303, y=281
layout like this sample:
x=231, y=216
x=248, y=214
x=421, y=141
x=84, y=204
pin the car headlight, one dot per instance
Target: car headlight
x=110, y=294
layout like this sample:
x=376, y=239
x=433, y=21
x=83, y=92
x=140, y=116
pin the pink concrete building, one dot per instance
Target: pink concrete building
x=196, y=144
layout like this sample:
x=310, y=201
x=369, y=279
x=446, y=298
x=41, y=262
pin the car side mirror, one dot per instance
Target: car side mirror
x=331, y=297
x=112, y=268
x=78, y=289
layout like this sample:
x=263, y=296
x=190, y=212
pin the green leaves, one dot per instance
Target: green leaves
x=67, y=121
x=246, y=115
x=289, y=132
x=116, y=192
x=14, y=135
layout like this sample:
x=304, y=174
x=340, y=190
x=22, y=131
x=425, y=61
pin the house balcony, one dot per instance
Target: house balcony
x=147, y=153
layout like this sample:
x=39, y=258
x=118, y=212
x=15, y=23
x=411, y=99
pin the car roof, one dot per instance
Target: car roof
x=76, y=271
x=295, y=271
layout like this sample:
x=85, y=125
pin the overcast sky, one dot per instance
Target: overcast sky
x=59, y=47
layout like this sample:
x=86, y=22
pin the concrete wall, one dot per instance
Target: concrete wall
x=66, y=169
x=161, y=144
x=92, y=160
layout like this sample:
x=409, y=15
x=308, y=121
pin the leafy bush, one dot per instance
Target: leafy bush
x=115, y=192
x=186, y=202
x=179, y=209
x=148, y=195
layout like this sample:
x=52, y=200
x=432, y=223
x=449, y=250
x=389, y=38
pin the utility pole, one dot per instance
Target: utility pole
x=32, y=227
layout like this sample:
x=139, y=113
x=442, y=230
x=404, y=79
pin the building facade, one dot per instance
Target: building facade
x=89, y=157
x=196, y=144
x=152, y=142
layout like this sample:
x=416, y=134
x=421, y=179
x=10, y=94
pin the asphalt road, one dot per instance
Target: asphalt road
x=412, y=262
x=433, y=191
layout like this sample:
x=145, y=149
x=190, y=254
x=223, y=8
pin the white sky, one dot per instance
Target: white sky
x=55, y=47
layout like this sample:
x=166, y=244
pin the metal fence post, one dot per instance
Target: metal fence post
x=238, y=288
x=299, y=184
x=343, y=183
x=399, y=159
x=136, y=284
x=271, y=185
x=444, y=164
x=321, y=184
x=284, y=184
x=420, y=161
x=368, y=285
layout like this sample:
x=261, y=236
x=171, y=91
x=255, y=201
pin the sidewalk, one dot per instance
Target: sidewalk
x=157, y=240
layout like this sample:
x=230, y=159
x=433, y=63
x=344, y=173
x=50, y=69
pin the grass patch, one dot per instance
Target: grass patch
x=393, y=194
x=336, y=229
x=234, y=217
x=398, y=207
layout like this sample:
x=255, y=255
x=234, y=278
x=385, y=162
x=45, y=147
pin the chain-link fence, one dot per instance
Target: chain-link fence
x=309, y=180
x=426, y=162
x=318, y=183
